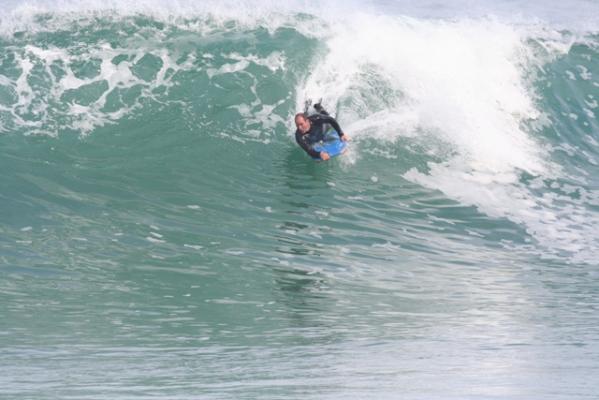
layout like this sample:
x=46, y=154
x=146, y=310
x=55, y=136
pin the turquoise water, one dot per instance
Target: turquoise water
x=162, y=236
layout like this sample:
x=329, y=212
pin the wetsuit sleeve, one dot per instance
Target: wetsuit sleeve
x=305, y=146
x=334, y=124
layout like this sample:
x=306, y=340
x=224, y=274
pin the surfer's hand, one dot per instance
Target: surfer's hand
x=345, y=137
x=324, y=155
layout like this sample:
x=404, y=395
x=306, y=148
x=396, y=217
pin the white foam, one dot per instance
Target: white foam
x=460, y=82
x=584, y=73
x=462, y=87
x=37, y=107
x=154, y=240
x=193, y=246
x=275, y=61
x=43, y=108
x=228, y=68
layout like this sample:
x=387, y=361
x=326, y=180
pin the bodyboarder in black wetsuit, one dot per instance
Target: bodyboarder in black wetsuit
x=311, y=129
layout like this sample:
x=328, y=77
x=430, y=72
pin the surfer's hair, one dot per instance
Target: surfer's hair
x=301, y=114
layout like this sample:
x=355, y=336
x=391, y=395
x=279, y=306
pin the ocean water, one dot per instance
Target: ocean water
x=162, y=236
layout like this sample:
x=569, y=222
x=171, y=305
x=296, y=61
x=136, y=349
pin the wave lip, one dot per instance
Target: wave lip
x=574, y=15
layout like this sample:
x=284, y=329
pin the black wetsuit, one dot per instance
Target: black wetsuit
x=318, y=127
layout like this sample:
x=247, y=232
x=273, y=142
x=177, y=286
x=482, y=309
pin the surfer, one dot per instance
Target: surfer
x=312, y=129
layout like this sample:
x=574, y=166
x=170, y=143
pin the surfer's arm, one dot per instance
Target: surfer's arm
x=334, y=124
x=305, y=146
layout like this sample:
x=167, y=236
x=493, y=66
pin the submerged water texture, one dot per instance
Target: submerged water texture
x=162, y=236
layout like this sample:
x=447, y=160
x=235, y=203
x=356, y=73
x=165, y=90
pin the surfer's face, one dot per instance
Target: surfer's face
x=303, y=124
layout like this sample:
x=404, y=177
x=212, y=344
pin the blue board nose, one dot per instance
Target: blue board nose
x=332, y=145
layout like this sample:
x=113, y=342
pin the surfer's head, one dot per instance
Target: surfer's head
x=302, y=122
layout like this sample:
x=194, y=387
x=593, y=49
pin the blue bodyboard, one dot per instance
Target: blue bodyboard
x=331, y=144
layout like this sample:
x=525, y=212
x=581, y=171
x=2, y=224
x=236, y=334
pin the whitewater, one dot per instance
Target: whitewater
x=162, y=235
